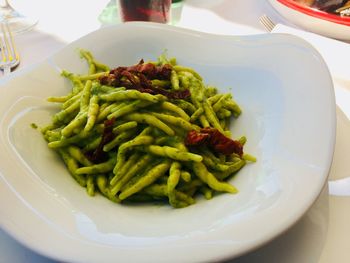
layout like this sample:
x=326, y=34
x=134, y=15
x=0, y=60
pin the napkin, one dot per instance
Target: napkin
x=335, y=53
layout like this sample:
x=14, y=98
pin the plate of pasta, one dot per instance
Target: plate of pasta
x=141, y=141
x=330, y=18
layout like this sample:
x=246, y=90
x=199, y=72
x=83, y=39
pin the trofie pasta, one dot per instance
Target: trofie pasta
x=148, y=132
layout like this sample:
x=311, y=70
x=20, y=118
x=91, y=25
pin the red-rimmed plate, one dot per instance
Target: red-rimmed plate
x=314, y=20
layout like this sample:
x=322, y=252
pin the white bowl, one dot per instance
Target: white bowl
x=286, y=94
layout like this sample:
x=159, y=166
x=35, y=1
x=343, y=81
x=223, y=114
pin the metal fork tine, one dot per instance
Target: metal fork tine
x=9, y=53
x=267, y=23
x=2, y=46
x=7, y=46
x=13, y=45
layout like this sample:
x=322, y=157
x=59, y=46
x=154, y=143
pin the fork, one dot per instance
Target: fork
x=267, y=23
x=9, y=54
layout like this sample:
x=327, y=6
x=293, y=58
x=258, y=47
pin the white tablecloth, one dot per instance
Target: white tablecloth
x=322, y=235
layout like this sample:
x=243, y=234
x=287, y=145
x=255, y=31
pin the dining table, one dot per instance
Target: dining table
x=323, y=233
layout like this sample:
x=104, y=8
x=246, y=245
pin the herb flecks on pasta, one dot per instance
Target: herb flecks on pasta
x=148, y=132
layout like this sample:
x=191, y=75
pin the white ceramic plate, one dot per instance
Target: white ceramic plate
x=314, y=20
x=286, y=94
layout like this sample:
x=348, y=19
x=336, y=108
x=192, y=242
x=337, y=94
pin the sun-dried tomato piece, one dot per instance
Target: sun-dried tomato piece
x=215, y=140
x=152, y=71
x=139, y=77
x=194, y=138
x=109, y=80
x=149, y=70
x=222, y=144
x=98, y=155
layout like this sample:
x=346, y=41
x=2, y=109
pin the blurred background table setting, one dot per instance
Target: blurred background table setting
x=322, y=234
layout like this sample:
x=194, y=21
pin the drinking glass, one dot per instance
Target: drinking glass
x=145, y=10
x=18, y=22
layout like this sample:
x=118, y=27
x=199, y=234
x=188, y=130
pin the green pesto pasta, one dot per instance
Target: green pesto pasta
x=126, y=133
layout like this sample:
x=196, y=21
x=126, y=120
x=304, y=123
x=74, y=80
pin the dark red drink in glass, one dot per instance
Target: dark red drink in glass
x=145, y=10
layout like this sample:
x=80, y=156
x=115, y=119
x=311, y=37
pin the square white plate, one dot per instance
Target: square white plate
x=287, y=97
